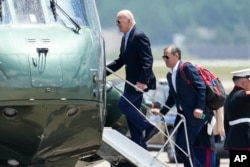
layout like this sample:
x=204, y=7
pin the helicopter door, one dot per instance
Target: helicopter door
x=46, y=69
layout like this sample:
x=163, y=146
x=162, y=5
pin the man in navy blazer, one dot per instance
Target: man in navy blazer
x=189, y=101
x=136, y=55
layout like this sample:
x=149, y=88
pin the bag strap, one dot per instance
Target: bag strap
x=183, y=73
x=185, y=77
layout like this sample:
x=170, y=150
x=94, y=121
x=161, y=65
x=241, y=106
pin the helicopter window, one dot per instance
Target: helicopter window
x=74, y=8
x=29, y=11
x=92, y=14
x=4, y=13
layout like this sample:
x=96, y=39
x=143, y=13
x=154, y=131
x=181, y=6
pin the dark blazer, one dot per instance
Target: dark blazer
x=186, y=97
x=138, y=60
x=237, y=106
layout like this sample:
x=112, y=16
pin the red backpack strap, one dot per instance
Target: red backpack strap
x=206, y=75
x=183, y=73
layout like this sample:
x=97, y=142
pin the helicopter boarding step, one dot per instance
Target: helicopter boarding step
x=130, y=150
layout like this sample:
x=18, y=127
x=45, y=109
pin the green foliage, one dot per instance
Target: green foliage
x=217, y=22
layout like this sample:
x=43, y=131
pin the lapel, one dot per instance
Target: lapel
x=178, y=77
x=123, y=45
x=169, y=77
x=130, y=39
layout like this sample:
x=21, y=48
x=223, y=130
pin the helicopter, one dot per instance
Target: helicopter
x=52, y=82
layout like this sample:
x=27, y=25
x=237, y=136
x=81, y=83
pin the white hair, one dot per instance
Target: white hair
x=128, y=14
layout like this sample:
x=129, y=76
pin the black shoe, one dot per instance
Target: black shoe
x=125, y=164
x=150, y=132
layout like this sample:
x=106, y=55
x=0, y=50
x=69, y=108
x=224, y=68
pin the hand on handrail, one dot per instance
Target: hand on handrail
x=156, y=111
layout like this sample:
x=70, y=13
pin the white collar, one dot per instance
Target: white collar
x=176, y=66
x=126, y=35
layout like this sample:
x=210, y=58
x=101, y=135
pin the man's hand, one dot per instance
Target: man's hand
x=156, y=111
x=140, y=86
x=198, y=113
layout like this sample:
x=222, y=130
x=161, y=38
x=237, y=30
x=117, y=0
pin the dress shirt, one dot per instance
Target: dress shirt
x=174, y=71
x=126, y=35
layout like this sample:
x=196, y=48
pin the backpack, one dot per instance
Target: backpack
x=215, y=92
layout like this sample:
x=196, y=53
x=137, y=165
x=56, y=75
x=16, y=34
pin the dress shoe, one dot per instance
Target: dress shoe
x=150, y=132
x=125, y=164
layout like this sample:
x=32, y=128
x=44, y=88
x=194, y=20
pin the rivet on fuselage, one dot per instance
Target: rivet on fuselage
x=9, y=113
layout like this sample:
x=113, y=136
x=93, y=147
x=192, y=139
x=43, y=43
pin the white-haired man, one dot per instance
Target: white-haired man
x=136, y=55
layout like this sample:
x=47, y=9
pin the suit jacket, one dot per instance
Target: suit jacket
x=237, y=106
x=187, y=98
x=138, y=60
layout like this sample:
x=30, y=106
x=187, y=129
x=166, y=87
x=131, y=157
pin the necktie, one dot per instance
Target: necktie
x=123, y=43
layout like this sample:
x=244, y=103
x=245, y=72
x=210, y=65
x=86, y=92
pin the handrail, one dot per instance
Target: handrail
x=183, y=120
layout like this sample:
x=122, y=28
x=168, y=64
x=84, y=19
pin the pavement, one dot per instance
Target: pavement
x=163, y=157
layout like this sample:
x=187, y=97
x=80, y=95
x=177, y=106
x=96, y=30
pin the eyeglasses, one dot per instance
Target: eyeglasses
x=118, y=22
x=165, y=57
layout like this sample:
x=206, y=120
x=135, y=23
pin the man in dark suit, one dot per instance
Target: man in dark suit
x=136, y=55
x=190, y=102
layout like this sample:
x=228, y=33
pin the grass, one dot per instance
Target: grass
x=223, y=72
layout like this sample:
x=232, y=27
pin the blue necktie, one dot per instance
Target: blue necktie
x=123, y=43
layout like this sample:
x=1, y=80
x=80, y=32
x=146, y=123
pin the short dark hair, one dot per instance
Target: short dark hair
x=174, y=50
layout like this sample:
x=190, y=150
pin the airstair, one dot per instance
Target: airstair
x=130, y=150
x=117, y=148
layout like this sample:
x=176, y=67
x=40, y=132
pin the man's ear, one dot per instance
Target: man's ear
x=177, y=55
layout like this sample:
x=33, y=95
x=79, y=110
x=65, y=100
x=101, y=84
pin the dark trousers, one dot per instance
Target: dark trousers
x=205, y=157
x=182, y=143
x=136, y=122
x=192, y=132
x=205, y=149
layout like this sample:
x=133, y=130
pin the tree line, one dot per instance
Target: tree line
x=219, y=22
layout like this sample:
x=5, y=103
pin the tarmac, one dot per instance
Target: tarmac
x=163, y=157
